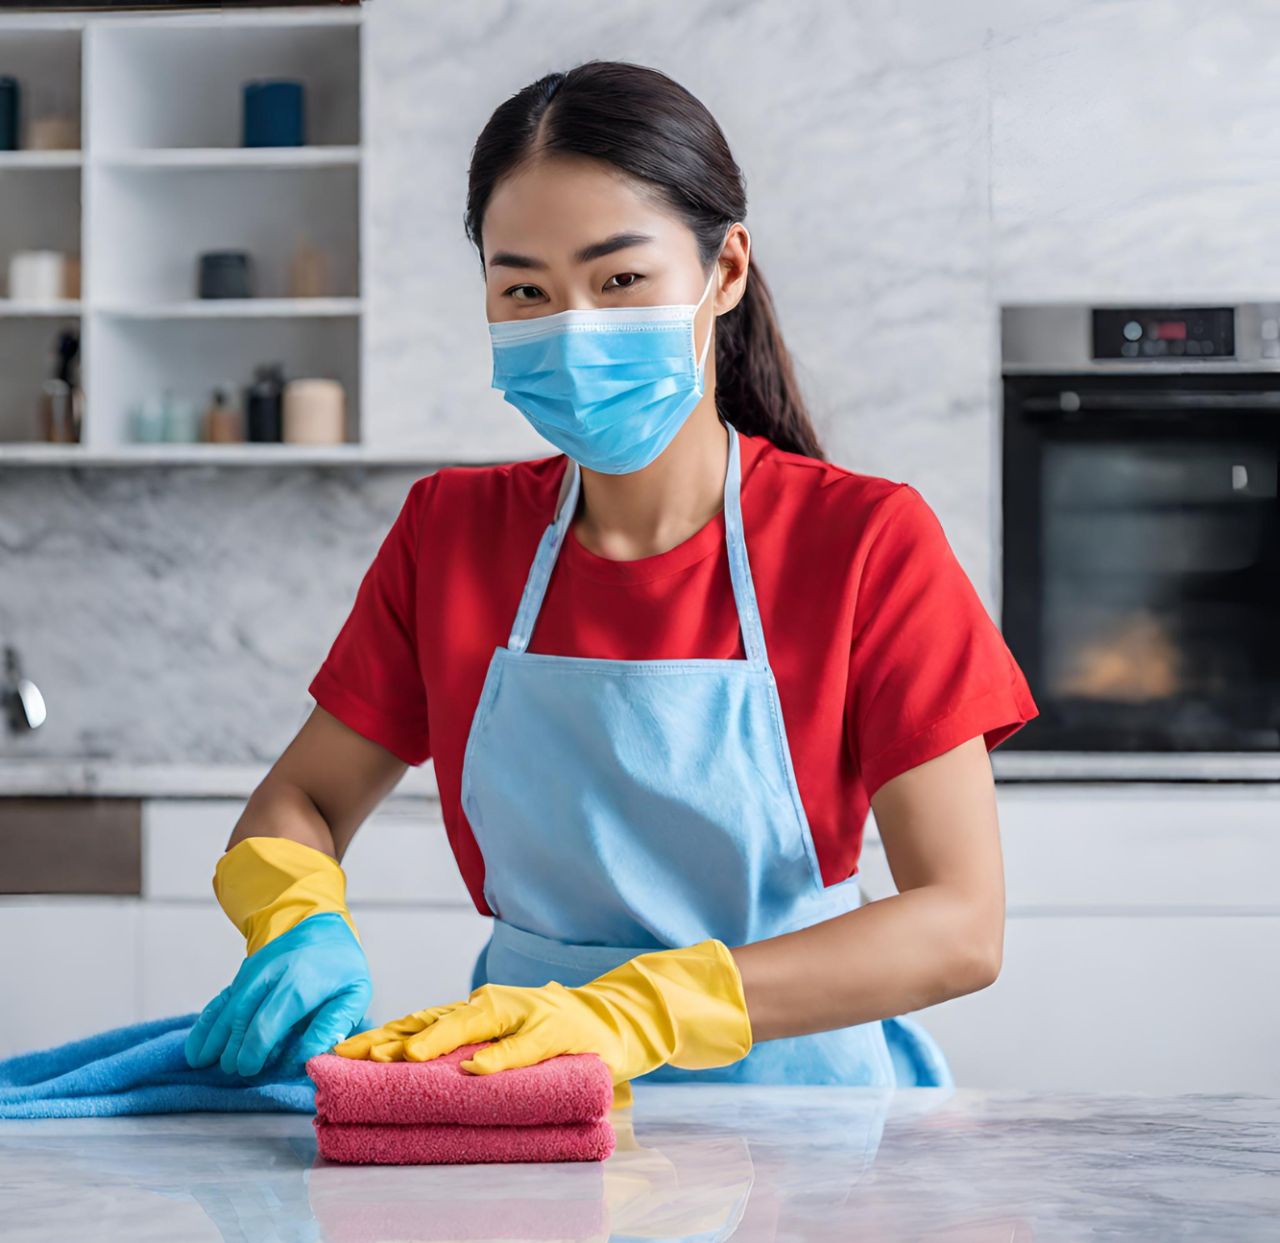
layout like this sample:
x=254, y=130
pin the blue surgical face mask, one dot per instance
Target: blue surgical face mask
x=609, y=387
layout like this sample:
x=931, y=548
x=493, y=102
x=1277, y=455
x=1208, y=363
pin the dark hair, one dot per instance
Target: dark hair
x=640, y=121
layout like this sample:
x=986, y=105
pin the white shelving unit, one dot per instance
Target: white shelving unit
x=160, y=179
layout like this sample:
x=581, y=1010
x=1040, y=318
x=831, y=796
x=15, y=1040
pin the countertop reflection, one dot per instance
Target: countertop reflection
x=692, y=1163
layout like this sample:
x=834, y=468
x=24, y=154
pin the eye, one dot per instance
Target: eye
x=628, y=280
x=524, y=293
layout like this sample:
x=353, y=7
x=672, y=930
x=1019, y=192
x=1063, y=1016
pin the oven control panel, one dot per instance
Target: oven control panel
x=1164, y=333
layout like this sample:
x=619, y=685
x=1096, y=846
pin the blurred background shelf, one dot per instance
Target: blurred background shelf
x=232, y=157
x=15, y=161
x=39, y=454
x=240, y=308
x=37, y=310
x=161, y=179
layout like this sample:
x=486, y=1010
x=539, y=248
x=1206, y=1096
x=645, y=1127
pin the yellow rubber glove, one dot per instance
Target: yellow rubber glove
x=679, y=1006
x=266, y=885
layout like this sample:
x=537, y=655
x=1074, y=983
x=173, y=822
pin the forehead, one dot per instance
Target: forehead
x=556, y=204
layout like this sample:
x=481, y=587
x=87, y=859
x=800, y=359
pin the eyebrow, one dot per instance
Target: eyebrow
x=597, y=250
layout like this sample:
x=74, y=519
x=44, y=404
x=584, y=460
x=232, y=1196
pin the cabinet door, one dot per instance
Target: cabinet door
x=1122, y=1003
x=1141, y=946
x=69, y=969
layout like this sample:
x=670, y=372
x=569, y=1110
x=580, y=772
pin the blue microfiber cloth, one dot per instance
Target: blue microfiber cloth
x=142, y=1069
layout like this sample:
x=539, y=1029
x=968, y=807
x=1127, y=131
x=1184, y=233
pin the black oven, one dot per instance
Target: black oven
x=1141, y=535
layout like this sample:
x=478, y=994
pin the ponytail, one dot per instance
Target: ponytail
x=640, y=121
x=756, y=388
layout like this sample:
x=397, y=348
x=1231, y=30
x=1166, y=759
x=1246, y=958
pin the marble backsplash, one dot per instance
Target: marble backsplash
x=177, y=615
x=910, y=170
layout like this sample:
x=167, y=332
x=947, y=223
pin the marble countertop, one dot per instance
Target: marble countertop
x=41, y=778
x=704, y=1162
x=27, y=778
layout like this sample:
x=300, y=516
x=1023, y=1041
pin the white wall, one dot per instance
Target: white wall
x=910, y=167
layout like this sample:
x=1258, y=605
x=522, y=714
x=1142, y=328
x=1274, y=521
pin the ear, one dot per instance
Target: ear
x=734, y=263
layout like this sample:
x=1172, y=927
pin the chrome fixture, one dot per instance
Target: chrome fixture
x=23, y=703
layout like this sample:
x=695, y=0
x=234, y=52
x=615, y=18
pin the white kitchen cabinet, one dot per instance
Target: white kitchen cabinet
x=1142, y=946
x=1141, y=950
x=1118, y=1003
x=395, y=858
x=160, y=177
x=187, y=953
x=69, y=969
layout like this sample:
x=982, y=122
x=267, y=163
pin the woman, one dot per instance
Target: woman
x=662, y=675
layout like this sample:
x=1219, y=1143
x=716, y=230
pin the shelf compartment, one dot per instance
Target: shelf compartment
x=46, y=63
x=198, y=68
x=146, y=232
x=39, y=212
x=26, y=361
x=136, y=359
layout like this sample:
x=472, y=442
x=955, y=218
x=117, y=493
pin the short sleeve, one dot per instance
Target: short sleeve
x=371, y=679
x=929, y=669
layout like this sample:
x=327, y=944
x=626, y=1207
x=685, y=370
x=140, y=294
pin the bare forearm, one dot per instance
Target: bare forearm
x=279, y=808
x=890, y=957
x=322, y=789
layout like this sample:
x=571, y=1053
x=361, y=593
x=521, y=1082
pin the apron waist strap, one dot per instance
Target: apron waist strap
x=517, y=956
x=593, y=960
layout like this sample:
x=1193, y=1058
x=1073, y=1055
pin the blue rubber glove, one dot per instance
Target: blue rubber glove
x=316, y=970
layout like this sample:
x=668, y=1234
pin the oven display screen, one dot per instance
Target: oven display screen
x=1164, y=333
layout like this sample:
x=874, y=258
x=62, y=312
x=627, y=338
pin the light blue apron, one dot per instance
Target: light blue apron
x=623, y=806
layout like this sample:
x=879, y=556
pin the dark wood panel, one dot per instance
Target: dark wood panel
x=71, y=845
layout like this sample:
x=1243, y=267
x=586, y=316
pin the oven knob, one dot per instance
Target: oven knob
x=1132, y=330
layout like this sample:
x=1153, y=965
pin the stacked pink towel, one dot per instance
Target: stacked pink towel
x=436, y=1113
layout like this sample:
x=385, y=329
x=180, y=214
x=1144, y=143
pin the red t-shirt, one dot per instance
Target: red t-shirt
x=883, y=653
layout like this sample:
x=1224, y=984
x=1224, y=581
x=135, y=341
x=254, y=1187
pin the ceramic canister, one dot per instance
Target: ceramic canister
x=37, y=275
x=314, y=412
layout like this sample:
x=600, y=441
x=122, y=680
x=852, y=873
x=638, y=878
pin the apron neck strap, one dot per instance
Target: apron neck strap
x=553, y=537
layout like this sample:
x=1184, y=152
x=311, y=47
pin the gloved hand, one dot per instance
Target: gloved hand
x=682, y=1006
x=304, y=958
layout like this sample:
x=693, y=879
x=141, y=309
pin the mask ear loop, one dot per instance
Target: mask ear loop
x=702, y=358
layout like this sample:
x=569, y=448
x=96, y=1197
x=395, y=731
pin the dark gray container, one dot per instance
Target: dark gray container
x=10, y=111
x=225, y=274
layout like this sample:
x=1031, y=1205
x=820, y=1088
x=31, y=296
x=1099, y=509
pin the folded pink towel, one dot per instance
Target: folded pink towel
x=384, y=1143
x=436, y=1113
x=575, y=1087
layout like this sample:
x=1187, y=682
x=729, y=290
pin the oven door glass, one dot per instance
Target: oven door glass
x=1148, y=575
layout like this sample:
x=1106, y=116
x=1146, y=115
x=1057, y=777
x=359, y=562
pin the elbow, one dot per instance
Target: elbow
x=980, y=955
x=975, y=956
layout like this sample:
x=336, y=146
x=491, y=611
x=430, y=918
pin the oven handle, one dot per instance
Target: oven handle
x=1069, y=401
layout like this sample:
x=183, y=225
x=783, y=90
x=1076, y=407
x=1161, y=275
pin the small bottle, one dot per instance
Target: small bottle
x=61, y=405
x=149, y=421
x=181, y=420
x=264, y=404
x=223, y=422
x=308, y=272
